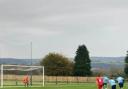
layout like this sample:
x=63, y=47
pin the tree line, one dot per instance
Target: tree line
x=58, y=65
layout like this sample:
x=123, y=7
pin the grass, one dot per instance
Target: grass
x=64, y=86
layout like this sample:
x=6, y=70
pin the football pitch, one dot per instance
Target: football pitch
x=64, y=86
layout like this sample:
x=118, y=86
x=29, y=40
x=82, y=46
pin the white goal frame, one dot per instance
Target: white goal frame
x=34, y=68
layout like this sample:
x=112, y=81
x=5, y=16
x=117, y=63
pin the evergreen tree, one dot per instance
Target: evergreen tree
x=82, y=65
x=126, y=65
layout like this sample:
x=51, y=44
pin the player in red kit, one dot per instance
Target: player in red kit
x=99, y=82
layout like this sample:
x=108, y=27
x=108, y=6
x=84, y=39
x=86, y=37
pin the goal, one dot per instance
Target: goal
x=12, y=75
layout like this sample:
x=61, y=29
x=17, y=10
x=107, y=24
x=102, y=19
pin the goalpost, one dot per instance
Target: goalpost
x=12, y=75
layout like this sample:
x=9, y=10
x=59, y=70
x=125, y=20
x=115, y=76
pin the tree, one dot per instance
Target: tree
x=82, y=65
x=126, y=65
x=57, y=64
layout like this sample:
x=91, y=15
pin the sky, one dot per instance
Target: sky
x=61, y=26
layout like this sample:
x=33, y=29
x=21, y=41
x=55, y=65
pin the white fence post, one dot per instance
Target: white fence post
x=1, y=75
x=43, y=76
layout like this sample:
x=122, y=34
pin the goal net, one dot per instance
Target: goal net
x=13, y=75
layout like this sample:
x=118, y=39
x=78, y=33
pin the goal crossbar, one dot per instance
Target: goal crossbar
x=22, y=66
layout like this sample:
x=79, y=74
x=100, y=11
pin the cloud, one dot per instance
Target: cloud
x=61, y=25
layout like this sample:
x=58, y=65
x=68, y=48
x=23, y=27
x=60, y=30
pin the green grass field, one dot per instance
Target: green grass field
x=66, y=86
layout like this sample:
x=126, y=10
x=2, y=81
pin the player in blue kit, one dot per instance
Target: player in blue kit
x=105, y=82
x=112, y=83
x=120, y=81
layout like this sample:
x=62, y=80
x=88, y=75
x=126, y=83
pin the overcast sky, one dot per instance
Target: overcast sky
x=61, y=26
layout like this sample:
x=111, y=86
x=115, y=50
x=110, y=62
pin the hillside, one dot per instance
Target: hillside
x=97, y=62
x=18, y=61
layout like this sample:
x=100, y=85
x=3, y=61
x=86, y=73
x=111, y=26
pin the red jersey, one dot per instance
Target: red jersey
x=99, y=80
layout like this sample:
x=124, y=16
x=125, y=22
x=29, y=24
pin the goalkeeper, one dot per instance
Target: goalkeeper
x=26, y=80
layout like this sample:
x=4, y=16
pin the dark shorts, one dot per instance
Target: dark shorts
x=114, y=87
x=121, y=85
x=104, y=84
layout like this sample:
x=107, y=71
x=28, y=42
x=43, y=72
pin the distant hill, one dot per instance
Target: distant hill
x=107, y=63
x=108, y=59
x=19, y=61
x=97, y=62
